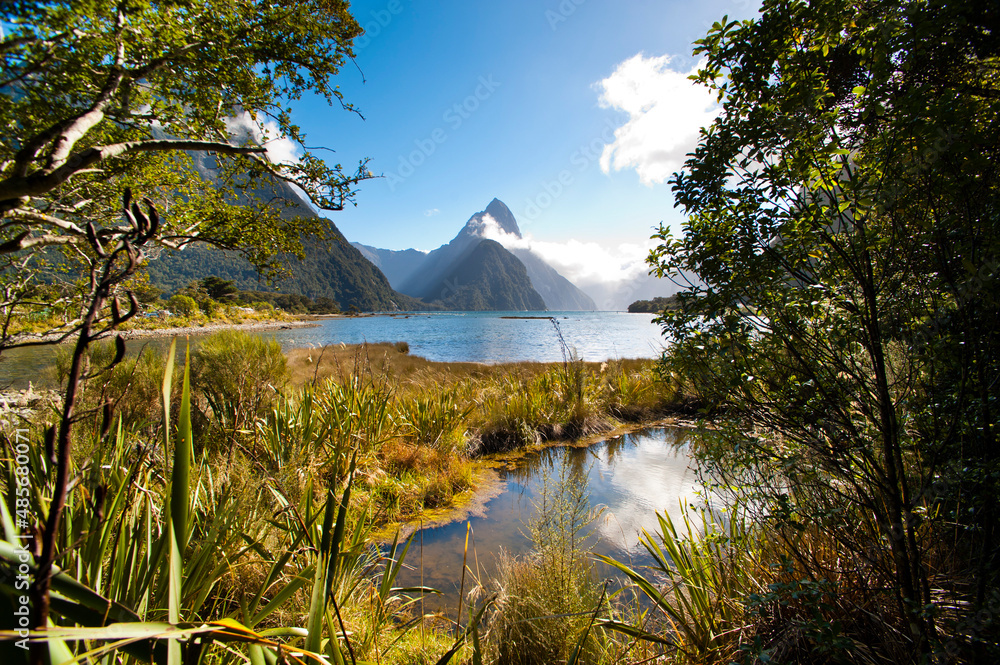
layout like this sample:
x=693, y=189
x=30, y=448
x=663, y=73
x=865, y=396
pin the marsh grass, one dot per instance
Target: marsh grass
x=239, y=377
x=503, y=407
x=272, y=538
x=130, y=388
x=543, y=597
x=415, y=425
x=548, y=604
x=702, y=571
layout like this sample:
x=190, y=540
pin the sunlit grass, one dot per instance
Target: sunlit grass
x=256, y=460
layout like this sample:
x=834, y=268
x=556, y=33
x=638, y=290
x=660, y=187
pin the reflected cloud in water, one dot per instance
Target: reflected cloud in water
x=632, y=477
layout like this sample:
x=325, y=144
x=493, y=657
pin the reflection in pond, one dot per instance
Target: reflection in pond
x=631, y=477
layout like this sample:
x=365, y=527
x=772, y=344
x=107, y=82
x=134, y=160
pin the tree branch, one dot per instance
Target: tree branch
x=83, y=123
x=42, y=182
x=40, y=218
x=23, y=242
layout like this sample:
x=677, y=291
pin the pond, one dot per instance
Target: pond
x=629, y=478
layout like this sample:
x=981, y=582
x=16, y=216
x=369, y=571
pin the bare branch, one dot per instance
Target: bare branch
x=23, y=242
x=83, y=123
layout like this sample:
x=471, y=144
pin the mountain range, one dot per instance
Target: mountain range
x=472, y=272
x=446, y=276
x=332, y=268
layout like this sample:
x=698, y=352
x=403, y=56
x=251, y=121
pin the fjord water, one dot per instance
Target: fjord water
x=629, y=478
x=488, y=337
x=493, y=337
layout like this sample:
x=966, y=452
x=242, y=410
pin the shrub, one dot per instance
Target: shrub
x=209, y=307
x=545, y=600
x=183, y=305
x=239, y=375
x=131, y=388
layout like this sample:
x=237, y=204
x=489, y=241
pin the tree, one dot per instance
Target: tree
x=839, y=258
x=101, y=97
x=182, y=305
x=219, y=289
x=98, y=99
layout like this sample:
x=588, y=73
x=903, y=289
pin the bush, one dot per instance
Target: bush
x=182, y=305
x=209, y=307
x=240, y=375
x=131, y=388
x=544, y=599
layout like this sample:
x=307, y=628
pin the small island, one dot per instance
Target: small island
x=656, y=305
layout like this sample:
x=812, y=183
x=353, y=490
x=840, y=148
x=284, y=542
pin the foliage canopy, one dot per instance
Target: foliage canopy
x=100, y=97
x=839, y=258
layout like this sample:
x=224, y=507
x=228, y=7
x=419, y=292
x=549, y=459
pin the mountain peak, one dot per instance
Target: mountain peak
x=500, y=213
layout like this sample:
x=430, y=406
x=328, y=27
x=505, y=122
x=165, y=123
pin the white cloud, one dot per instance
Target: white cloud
x=582, y=263
x=280, y=148
x=431, y=212
x=665, y=110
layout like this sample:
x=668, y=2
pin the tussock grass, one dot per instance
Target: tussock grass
x=507, y=406
x=548, y=605
x=416, y=426
x=291, y=464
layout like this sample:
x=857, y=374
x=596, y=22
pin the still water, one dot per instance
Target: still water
x=628, y=478
x=488, y=337
x=493, y=337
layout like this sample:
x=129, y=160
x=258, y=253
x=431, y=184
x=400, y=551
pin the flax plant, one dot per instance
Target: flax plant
x=151, y=569
x=702, y=571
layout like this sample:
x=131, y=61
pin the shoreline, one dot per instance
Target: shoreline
x=300, y=321
x=215, y=327
x=178, y=331
x=488, y=483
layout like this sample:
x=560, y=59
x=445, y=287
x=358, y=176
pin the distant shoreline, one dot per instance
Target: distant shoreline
x=140, y=333
x=250, y=326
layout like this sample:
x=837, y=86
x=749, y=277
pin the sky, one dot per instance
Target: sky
x=572, y=112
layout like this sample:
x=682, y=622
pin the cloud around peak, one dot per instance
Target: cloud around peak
x=583, y=263
x=280, y=149
x=666, y=110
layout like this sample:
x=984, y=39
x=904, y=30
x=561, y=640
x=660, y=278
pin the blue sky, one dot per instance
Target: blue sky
x=466, y=101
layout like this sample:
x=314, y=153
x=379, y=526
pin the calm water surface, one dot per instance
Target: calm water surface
x=493, y=337
x=631, y=477
x=486, y=337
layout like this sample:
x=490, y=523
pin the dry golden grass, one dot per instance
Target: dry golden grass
x=413, y=372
